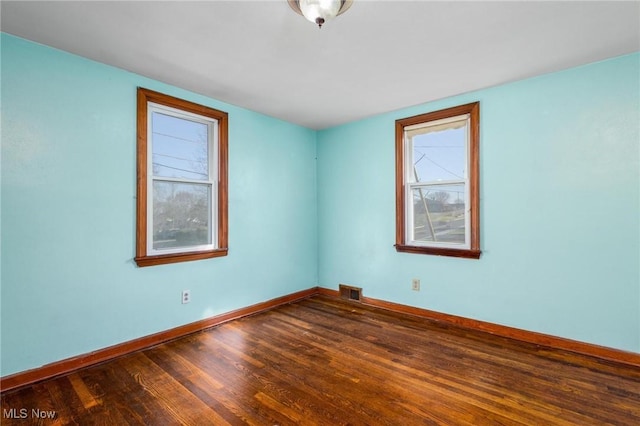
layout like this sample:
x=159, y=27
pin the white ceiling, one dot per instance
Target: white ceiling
x=378, y=56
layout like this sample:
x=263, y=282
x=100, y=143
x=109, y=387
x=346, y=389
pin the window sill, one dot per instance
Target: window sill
x=465, y=253
x=179, y=257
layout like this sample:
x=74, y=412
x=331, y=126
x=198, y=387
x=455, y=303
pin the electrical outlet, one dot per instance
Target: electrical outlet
x=186, y=296
x=415, y=284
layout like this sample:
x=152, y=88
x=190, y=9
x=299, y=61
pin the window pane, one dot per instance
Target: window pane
x=180, y=147
x=181, y=215
x=438, y=213
x=440, y=155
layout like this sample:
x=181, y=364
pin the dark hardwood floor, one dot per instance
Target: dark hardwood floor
x=328, y=362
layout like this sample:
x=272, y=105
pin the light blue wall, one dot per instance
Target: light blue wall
x=560, y=189
x=69, y=285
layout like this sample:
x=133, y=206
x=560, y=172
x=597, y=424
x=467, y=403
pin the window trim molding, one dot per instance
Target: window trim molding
x=144, y=96
x=473, y=109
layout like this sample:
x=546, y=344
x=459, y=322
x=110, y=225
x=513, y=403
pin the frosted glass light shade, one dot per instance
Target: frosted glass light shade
x=320, y=11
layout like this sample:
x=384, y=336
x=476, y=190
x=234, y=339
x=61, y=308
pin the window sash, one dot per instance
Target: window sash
x=211, y=224
x=434, y=126
x=211, y=182
x=411, y=182
x=410, y=216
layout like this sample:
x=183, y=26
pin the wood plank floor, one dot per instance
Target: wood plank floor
x=323, y=361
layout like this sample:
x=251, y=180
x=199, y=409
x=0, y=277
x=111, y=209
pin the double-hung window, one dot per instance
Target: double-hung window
x=437, y=185
x=182, y=180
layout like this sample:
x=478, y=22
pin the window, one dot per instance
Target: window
x=437, y=194
x=182, y=180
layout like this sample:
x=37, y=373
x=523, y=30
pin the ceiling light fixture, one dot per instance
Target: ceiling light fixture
x=320, y=11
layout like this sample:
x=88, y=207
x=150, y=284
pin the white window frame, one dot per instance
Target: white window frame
x=411, y=184
x=211, y=182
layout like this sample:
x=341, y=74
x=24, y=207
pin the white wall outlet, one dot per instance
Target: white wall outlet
x=186, y=296
x=415, y=284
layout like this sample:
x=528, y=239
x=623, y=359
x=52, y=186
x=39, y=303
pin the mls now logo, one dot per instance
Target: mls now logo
x=23, y=413
x=14, y=413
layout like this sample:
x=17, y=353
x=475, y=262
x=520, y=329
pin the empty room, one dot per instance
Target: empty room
x=320, y=212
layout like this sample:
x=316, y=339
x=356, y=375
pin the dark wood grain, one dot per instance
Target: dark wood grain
x=326, y=361
x=540, y=339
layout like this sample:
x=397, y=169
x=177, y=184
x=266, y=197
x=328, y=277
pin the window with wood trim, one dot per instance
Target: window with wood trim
x=437, y=182
x=182, y=180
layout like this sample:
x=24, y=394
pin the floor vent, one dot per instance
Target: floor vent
x=350, y=293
